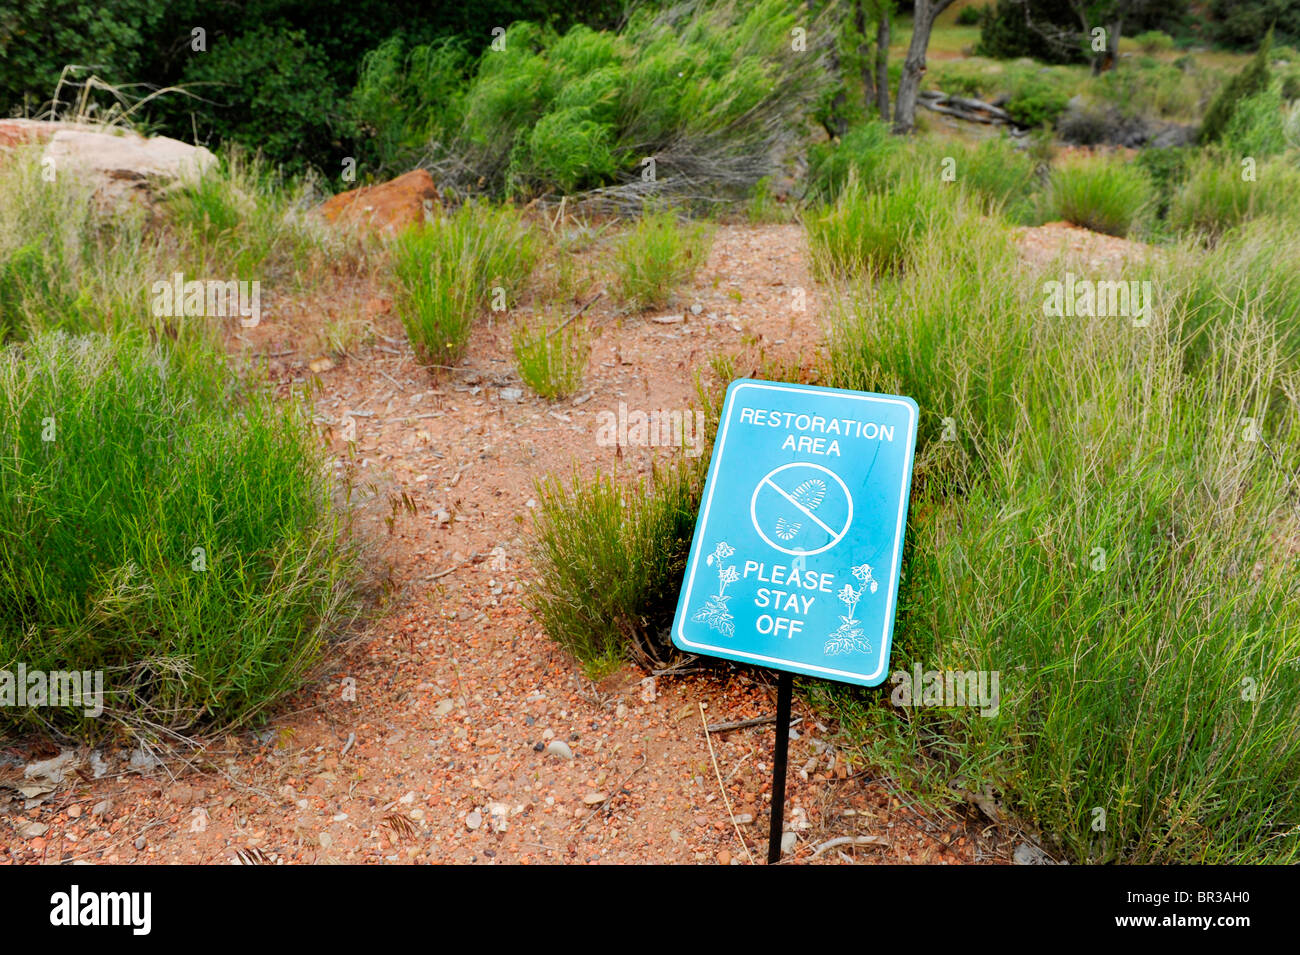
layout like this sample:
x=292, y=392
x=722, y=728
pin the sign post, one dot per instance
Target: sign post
x=798, y=545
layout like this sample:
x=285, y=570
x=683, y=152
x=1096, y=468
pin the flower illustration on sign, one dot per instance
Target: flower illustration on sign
x=715, y=612
x=850, y=635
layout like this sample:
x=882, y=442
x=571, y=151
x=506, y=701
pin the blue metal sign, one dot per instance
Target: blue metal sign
x=798, y=545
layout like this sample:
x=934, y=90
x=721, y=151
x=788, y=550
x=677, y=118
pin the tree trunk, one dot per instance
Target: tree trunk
x=860, y=21
x=1112, y=42
x=837, y=125
x=910, y=82
x=882, y=64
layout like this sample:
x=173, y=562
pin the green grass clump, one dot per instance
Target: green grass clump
x=1000, y=176
x=242, y=221
x=68, y=263
x=1217, y=196
x=610, y=560
x=1098, y=522
x=1102, y=195
x=451, y=270
x=1154, y=41
x=166, y=527
x=656, y=256
x=64, y=264
x=868, y=154
x=876, y=233
x=1250, y=268
x=551, y=359
x=1254, y=78
x=1257, y=127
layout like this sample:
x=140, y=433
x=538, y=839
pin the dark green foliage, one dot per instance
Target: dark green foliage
x=1004, y=34
x=969, y=16
x=38, y=38
x=1036, y=103
x=1240, y=23
x=1254, y=78
x=1167, y=169
x=274, y=90
x=140, y=41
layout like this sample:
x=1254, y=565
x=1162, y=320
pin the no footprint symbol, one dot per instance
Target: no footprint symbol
x=801, y=509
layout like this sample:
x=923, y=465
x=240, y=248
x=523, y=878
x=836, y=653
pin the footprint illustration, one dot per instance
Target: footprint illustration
x=787, y=529
x=810, y=493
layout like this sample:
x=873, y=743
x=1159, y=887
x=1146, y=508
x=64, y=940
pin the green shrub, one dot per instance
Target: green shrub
x=1216, y=197
x=38, y=40
x=868, y=233
x=165, y=527
x=610, y=560
x=404, y=98
x=446, y=274
x=1256, y=127
x=1036, y=103
x=569, y=149
x=1102, y=195
x=1098, y=556
x=275, y=94
x=656, y=256
x=706, y=91
x=1253, y=79
x=1238, y=24
x=551, y=358
x=1154, y=41
x=969, y=16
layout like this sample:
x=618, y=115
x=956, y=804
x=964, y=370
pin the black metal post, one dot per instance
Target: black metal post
x=784, y=690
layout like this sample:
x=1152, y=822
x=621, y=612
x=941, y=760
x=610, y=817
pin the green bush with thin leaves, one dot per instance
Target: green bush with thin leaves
x=656, y=256
x=1103, y=195
x=166, y=526
x=610, y=559
x=1127, y=573
x=450, y=270
x=551, y=357
x=708, y=91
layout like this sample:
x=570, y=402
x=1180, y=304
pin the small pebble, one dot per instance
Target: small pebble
x=559, y=748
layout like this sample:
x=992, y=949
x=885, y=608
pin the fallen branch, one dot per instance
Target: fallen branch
x=850, y=841
x=575, y=314
x=741, y=724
